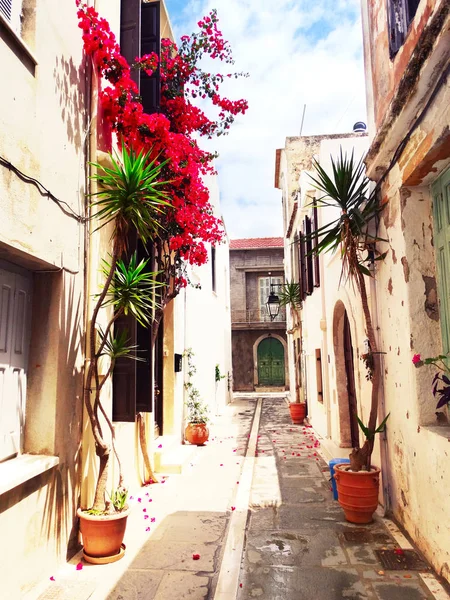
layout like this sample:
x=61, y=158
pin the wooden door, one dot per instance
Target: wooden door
x=15, y=324
x=271, y=362
x=350, y=373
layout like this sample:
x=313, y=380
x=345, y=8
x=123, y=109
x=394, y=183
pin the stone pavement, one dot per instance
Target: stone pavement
x=295, y=540
x=298, y=543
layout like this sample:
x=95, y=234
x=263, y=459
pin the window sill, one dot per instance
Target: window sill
x=18, y=470
x=17, y=45
x=441, y=430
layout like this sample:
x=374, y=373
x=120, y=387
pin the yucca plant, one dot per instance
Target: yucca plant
x=352, y=234
x=130, y=196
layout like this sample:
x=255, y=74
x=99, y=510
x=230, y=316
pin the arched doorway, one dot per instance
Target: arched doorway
x=345, y=377
x=270, y=356
x=350, y=374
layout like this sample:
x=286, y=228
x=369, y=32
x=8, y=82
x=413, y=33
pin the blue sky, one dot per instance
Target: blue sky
x=297, y=52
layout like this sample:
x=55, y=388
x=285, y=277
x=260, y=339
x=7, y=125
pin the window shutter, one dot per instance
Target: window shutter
x=308, y=257
x=441, y=227
x=125, y=369
x=301, y=265
x=144, y=370
x=6, y=9
x=315, y=243
x=150, y=42
x=397, y=25
x=130, y=33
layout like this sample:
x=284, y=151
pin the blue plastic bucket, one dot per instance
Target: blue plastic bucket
x=333, y=462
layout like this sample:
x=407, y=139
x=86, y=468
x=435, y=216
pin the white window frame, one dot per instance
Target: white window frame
x=263, y=294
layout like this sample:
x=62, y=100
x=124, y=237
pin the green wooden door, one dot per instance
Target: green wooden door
x=441, y=223
x=270, y=362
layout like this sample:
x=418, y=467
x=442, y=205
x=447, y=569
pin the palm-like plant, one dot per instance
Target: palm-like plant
x=347, y=190
x=130, y=196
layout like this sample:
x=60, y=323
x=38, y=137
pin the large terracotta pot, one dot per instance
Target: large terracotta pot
x=357, y=492
x=298, y=412
x=197, y=433
x=103, y=535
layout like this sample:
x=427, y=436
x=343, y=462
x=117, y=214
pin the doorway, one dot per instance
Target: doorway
x=350, y=376
x=271, y=368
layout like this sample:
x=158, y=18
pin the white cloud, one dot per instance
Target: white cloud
x=296, y=52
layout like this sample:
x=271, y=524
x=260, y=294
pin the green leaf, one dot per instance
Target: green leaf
x=382, y=425
x=365, y=430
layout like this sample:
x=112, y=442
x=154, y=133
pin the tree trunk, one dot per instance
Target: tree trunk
x=361, y=457
x=102, y=480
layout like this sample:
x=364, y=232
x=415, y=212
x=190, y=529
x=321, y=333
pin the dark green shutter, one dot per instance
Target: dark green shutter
x=130, y=33
x=441, y=226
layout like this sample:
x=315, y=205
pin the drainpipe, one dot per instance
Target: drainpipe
x=325, y=363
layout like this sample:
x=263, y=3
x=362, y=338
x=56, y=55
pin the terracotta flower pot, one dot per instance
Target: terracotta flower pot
x=196, y=433
x=298, y=412
x=103, y=535
x=357, y=492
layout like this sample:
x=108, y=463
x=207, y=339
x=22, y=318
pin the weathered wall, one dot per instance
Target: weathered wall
x=406, y=280
x=42, y=131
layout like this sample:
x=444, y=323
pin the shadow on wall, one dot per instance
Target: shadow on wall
x=70, y=89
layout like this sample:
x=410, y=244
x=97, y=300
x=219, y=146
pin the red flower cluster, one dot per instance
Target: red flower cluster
x=189, y=223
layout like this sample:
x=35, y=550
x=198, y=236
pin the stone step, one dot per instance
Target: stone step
x=173, y=457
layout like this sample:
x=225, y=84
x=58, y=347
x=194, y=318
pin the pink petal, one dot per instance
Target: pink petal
x=195, y=556
x=79, y=566
x=145, y=516
x=144, y=510
x=160, y=446
x=150, y=500
x=148, y=529
x=221, y=464
x=139, y=499
x=131, y=497
x=153, y=519
x=233, y=508
x=52, y=578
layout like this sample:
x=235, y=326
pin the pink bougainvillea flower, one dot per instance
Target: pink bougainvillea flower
x=131, y=497
x=152, y=520
x=240, y=585
x=150, y=499
x=221, y=465
x=398, y=551
x=416, y=359
x=52, y=578
x=233, y=508
x=139, y=499
x=145, y=516
x=79, y=566
x=144, y=510
x=147, y=529
x=160, y=446
x=147, y=494
x=163, y=481
x=235, y=450
x=195, y=556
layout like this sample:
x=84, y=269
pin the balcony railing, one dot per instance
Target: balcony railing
x=256, y=315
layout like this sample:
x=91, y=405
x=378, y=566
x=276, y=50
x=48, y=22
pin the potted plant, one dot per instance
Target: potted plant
x=129, y=196
x=350, y=233
x=290, y=295
x=196, y=431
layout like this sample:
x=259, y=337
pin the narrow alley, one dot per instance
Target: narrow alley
x=253, y=516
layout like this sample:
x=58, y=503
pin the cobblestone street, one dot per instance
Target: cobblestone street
x=253, y=516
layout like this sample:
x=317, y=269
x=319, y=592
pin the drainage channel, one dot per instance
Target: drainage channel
x=228, y=582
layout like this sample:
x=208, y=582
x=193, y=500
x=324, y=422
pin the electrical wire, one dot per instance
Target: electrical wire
x=64, y=206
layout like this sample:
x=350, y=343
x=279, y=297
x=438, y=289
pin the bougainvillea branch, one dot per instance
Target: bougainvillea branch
x=188, y=223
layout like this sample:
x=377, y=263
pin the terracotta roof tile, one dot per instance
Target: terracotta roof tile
x=256, y=243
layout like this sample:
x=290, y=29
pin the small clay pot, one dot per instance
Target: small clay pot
x=103, y=535
x=196, y=433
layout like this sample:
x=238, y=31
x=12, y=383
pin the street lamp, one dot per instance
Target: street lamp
x=273, y=303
